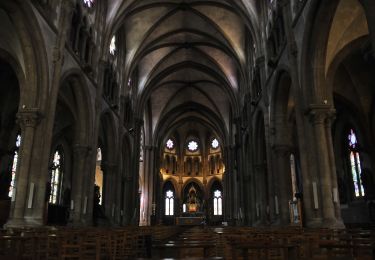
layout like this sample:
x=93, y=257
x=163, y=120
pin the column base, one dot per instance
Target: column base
x=279, y=222
x=333, y=223
x=23, y=223
x=314, y=223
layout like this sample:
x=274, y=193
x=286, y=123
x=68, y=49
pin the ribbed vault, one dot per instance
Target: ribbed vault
x=186, y=52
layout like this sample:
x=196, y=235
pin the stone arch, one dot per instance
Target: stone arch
x=33, y=60
x=81, y=105
x=212, y=181
x=261, y=188
x=318, y=44
x=108, y=140
x=9, y=130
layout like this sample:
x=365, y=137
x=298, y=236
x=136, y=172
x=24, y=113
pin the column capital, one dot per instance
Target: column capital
x=283, y=3
x=138, y=121
x=29, y=117
x=319, y=114
x=149, y=147
x=260, y=60
x=80, y=149
x=282, y=149
x=108, y=166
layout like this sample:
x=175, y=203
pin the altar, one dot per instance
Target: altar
x=189, y=221
x=192, y=208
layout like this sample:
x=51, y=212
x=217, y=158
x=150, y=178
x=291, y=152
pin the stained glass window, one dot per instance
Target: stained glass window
x=88, y=3
x=215, y=144
x=112, y=46
x=355, y=164
x=170, y=144
x=56, y=176
x=169, y=203
x=193, y=146
x=14, y=168
x=218, y=203
x=99, y=173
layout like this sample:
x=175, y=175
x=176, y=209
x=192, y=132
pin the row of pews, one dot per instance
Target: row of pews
x=296, y=243
x=172, y=242
x=82, y=243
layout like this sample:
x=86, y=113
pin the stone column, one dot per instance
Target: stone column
x=227, y=188
x=79, y=162
x=336, y=199
x=318, y=115
x=109, y=191
x=128, y=209
x=283, y=182
x=261, y=194
x=148, y=183
x=311, y=218
x=369, y=7
x=28, y=119
x=138, y=123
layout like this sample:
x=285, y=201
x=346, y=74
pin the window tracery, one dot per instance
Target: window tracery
x=170, y=144
x=218, y=207
x=192, y=146
x=169, y=203
x=215, y=144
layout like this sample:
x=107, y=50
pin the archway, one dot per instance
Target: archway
x=9, y=137
x=284, y=149
x=71, y=133
x=340, y=78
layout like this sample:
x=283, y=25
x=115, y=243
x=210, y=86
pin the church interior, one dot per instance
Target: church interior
x=187, y=129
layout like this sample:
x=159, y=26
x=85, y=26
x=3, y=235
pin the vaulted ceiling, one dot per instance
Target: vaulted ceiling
x=190, y=58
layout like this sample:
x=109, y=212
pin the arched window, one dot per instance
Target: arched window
x=355, y=164
x=88, y=3
x=14, y=167
x=99, y=174
x=112, y=46
x=56, y=177
x=218, y=203
x=293, y=174
x=169, y=203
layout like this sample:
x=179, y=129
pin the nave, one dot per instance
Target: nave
x=198, y=242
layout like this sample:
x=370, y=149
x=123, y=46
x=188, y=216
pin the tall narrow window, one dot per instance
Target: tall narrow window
x=355, y=164
x=169, y=203
x=218, y=203
x=14, y=167
x=293, y=174
x=112, y=46
x=88, y=3
x=99, y=174
x=56, y=177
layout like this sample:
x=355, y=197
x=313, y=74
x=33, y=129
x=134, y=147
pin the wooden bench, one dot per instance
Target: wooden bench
x=177, y=248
